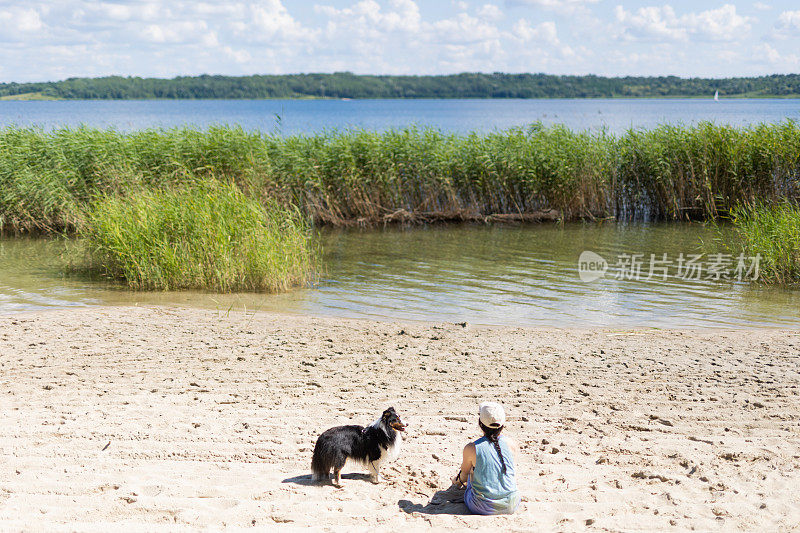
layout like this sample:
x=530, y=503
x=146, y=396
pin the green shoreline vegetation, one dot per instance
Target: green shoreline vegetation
x=348, y=85
x=207, y=235
x=47, y=178
x=39, y=96
x=773, y=232
x=50, y=181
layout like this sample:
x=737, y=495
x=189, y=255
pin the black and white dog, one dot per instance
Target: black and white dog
x=369, y=446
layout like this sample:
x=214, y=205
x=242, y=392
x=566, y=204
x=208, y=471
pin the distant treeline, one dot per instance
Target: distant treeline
x=348, y=85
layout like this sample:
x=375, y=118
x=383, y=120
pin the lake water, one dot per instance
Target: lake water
x=312, y=116
x=525, y=276
x=501, y=275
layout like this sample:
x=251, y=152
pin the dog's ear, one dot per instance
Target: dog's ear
x=389, y=413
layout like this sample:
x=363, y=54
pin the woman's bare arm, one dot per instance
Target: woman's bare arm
x=467, y=464
x=514, y=446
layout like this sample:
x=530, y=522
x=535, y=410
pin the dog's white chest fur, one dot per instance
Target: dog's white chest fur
x=393, y=451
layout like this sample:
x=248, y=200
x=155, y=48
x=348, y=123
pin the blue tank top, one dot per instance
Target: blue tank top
x=488, y=479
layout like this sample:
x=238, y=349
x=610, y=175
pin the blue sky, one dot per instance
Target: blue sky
x=54, y=40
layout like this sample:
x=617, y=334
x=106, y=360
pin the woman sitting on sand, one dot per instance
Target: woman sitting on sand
x=488, y=467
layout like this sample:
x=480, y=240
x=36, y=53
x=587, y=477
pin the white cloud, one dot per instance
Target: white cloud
x=240, y=56
x=662, y=23
x=368, y=16
x=547, y=46
x=84, y=13
x=269, y=20
x=175, y=32
x=767, y=53
x=114, y=11
x=546, y=32
x=563, y=6
x=22, y=19
x=554, y=3
x=462, y=29
x=368, y=19
x=28, y=20
x=657, y=22
x=761, y=6
x=374, y=29
x=722, y=24
x=788, y=22
x=490, y=12
x=44, y=39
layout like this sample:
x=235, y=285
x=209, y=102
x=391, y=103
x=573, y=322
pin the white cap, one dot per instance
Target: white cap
x=492, y=415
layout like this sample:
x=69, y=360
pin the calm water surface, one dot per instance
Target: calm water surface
x=313, y=116
x=489, y=275
x=521, y=276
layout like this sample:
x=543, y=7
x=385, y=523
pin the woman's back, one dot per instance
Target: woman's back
x=488, y=480
x=488, y=466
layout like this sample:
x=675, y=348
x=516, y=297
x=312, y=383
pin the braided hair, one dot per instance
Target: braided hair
x=493, y=436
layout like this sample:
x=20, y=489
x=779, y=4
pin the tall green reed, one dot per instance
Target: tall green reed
x=346, y=177
x=205, y=235
x=771, y=231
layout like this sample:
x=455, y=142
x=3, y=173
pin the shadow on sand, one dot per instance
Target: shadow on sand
x=449, y=501
x=306, y=479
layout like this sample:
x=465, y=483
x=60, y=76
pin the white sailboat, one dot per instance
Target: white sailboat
x=716, y=96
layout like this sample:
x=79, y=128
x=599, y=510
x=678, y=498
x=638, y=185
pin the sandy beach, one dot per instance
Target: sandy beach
x=176, y=419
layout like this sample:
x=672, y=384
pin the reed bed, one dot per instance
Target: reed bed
x=203, y=236
x=48, y=178
x=773, y=232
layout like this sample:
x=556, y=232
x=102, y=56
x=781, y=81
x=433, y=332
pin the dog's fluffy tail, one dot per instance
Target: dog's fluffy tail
x=321, y=462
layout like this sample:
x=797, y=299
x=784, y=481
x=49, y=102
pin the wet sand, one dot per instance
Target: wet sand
x=164, y=419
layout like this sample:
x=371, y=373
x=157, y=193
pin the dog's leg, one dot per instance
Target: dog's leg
x=374, y=471
x=338, y=464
